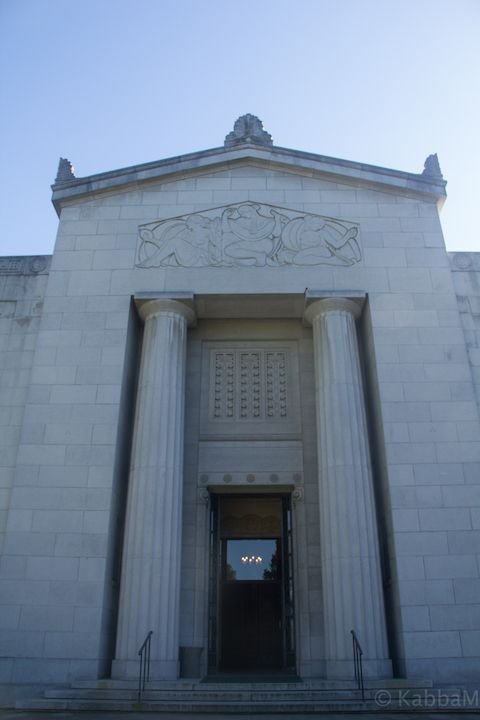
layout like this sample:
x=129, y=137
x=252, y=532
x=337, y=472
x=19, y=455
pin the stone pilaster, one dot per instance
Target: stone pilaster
x=352, y=586
x=149, y=598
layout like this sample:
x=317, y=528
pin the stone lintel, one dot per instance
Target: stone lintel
x=251, y=305
x=220, y=488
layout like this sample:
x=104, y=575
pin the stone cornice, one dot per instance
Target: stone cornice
x=274, y=157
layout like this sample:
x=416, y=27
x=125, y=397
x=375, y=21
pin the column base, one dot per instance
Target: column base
x=159, y=669
x=372, y=669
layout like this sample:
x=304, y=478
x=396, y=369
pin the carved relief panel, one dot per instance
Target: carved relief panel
x=250, y=388
x=248, y=234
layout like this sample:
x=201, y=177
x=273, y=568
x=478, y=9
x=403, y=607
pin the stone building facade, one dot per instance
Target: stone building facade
x=240, y=408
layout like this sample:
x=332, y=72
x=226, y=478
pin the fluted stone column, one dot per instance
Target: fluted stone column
x=352, y=586
x=149, y=597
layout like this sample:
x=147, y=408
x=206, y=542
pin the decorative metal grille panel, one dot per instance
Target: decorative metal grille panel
x=249, y=385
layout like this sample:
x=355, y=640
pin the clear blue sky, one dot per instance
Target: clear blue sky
x=112, y=83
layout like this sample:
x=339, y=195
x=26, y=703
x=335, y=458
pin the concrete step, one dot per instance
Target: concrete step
x=314, y=684
x=197, y=698
x=221, y=707
x=276, y=698
x=207, y=695
x=368, y=708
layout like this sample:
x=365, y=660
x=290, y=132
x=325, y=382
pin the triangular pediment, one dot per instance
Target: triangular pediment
x=248, y=234
x=270, y=158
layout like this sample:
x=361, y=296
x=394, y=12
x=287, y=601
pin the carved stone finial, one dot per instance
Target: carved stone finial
x=248, y=129
x=65, y=171
x=432, y=167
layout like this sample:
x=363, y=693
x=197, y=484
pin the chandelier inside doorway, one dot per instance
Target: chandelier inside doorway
x=250, y=559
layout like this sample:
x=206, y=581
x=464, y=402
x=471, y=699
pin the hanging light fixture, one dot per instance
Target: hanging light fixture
x=251, y=559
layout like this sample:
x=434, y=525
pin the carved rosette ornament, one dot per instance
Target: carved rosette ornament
x=248, y=234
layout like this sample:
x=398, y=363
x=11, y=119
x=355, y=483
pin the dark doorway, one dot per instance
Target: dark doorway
x=251, y=616
x=251, y=604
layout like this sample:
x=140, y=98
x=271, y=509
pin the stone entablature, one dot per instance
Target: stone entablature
x=25, y=264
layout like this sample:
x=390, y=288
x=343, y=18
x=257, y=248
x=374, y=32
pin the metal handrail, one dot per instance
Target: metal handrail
x=144, y=674
x=357, y=664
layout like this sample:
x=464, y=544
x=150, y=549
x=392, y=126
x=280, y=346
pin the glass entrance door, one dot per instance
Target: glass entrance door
x=251, y=604
x=251, y=590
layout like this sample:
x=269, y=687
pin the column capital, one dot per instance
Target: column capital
x=332, y=304
x=158, y=306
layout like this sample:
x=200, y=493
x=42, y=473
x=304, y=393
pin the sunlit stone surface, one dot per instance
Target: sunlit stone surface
x=249, y=325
